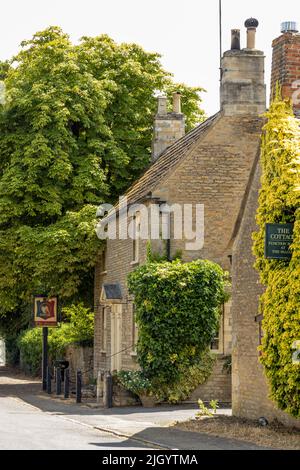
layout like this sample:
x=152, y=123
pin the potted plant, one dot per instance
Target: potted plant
x=138, y=383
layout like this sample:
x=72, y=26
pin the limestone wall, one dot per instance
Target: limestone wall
x=249, y=386
x=80, y=358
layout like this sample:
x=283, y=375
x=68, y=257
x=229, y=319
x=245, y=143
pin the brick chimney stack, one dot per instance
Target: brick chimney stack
x=243, y=90
x=168, y=127
x=286, y=64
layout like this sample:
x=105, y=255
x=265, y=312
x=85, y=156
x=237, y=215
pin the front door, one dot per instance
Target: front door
x=116, y=337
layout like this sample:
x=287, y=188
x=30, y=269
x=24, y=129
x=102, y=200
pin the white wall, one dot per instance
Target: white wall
x=2, y=352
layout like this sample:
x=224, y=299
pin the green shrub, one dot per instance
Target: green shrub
x=279, y=202
x=177, y=313
x=187, y=381
x=79, y=330
x=81, y=324
x=30, y=346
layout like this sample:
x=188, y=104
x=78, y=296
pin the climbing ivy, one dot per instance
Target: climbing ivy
x=177, y=313
x=279, y=202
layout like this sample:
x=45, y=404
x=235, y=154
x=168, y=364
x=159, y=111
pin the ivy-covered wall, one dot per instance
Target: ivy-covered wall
x=178, y=313
x=279, y=202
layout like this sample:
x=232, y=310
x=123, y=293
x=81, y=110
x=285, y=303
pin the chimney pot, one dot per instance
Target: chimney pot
x=251, y=24
x=177, y=102
x=162, y=105
x=289, y=27
x=235, y=40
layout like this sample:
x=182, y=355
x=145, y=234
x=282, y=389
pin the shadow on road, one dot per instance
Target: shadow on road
x=175, y=439
x=30, y=391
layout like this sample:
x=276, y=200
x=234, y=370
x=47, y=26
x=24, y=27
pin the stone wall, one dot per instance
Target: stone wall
x=243, y=90
x=167, y=130
x=215, y=174
x=119, y=262
x=217, y=387
x=80, y=358
x=249, y=386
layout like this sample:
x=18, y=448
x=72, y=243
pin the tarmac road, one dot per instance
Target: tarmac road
x=32, y=420
x=25, y=427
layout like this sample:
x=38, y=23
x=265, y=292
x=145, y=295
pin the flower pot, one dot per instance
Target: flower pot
x=148, y=402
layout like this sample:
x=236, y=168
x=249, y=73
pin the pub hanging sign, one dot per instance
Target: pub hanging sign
x=45, y=311
x=279, y=238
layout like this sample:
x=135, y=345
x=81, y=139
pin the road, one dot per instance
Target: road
x=25, y=427
x=33, y=420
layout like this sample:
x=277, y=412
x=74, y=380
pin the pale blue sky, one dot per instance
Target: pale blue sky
x=184, y=32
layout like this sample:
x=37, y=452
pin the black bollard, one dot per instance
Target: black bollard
x=67, y=383
x=49, y=377
x=108, y=391
x=78, y=386
x=58, y=381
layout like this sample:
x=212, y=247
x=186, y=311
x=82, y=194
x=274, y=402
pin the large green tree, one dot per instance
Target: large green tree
x=75, y=131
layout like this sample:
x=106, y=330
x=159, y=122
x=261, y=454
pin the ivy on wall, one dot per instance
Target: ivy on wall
x=177, y=313
x=279, y=202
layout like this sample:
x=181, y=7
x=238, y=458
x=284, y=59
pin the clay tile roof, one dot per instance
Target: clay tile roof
x=166, y=162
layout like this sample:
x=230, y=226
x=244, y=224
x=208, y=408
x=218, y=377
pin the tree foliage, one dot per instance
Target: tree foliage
x=177, y=313
x=279, y=202
x=75, y=130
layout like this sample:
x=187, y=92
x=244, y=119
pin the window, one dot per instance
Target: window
x=259, y=320
x=103, y=262
x=103, y=329
x=215, y=344
x=116, y=337
x=136, y=239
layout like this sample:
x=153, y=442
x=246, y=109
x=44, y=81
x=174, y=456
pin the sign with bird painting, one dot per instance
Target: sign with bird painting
x=45, y=311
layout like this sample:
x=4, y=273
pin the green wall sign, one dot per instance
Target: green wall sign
x=279, y=238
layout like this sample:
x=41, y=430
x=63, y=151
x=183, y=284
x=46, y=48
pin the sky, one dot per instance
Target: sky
x=185, y=33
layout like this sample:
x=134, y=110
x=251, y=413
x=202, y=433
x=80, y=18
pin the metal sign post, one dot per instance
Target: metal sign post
x=45, y=357
x=45, y=315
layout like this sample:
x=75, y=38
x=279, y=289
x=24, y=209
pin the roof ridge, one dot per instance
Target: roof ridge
x=165, y=162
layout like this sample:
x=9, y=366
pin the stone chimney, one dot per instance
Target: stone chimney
x=243, y=90
x=168, y=127
x=286, y=64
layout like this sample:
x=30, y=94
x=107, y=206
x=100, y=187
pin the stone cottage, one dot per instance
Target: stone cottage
x=212, y=165
x=250, y=390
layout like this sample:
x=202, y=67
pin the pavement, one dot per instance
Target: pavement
x=55, y=423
